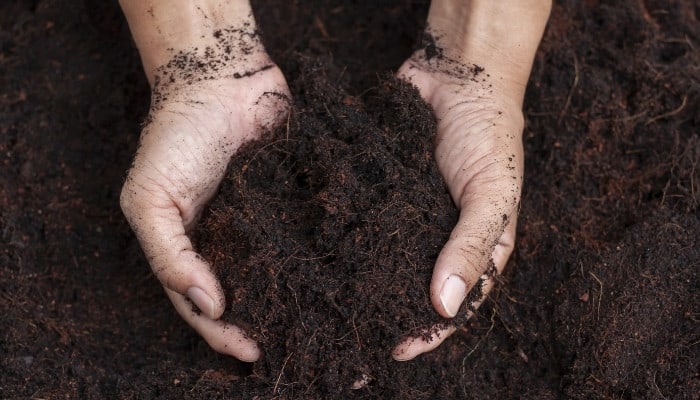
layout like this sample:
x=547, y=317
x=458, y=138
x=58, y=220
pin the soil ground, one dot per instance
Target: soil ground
x=600, y=298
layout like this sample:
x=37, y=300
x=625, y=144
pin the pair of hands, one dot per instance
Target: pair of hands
x=191, y=136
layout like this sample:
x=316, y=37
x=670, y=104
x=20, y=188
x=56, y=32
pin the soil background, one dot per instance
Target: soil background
x=600, y=298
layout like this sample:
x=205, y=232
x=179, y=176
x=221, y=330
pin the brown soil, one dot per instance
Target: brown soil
x=600, y=299
x=325, y=234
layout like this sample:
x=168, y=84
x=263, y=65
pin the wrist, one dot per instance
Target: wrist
x=500, y=36
x=163, y=29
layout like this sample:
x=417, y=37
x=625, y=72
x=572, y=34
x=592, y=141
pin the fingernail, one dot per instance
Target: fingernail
x=202, y=300
x=453, y=292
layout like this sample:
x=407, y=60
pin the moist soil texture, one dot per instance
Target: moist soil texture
x=600, y=297
x=324, y=236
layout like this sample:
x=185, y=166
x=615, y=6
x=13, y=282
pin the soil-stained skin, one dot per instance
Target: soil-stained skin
x=472, y=83
x=231, y=52
x=432, y=53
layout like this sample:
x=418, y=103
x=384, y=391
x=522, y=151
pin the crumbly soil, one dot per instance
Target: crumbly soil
x=599, y=300
x=324, y=235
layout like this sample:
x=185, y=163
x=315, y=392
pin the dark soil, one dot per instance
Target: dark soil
x=600, y=299
x=325, y=235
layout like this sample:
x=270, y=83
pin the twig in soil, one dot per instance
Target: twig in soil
x=464, y=366
x=330, y=114
x=571, y=91
x=600, y=298
x=321, y=27
x=511, y=298
x=245, y=166
x=296, y=301
x=647, y=16
x=311, y=384
x=286, y=133
x=595, y=378
x=629, y=118
x=685, y=39
x=670, y=113
x=497, y=307
x=284, y=364
x=357, y=336
x=312, y=258
x=656, y=386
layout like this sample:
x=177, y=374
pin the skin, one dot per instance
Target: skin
x=195, y=126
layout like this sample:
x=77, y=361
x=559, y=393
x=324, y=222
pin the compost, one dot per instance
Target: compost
x=599, y=300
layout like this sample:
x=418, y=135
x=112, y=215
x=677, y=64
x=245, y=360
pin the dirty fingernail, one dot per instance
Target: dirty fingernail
x=453, y=292
x=200, y=298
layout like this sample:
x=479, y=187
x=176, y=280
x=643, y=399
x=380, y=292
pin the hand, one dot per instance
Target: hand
x=473, y=70
x=192, y=132
x=479, y=152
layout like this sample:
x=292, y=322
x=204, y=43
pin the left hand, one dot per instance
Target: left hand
x=479, y=152
x=478, y=146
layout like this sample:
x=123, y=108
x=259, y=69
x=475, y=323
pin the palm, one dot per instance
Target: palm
x=190, y=138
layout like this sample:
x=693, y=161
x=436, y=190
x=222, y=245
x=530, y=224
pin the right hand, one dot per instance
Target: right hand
x=191, y=134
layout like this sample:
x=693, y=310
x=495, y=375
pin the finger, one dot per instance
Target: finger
x=222, y=337
x=158, y=225
x=413, y=347
x=481, y=243
x=272, y=107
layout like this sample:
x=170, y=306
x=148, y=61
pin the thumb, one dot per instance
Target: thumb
x=478, y=248
x=159, y=227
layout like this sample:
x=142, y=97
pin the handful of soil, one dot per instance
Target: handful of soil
x=325, y=233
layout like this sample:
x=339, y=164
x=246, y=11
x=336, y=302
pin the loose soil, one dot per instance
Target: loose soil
x=324, y=235
x=599, y=300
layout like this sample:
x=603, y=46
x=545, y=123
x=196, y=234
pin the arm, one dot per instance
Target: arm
x=473, y=70
x=500, y=36
x=160, y=28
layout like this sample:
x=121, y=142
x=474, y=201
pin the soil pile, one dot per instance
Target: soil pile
x=325, y=235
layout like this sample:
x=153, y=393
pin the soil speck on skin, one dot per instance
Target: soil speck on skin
x=229, y=55
x=432, y=50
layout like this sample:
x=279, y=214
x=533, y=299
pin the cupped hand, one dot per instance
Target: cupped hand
x=479, y=152
x=194, y=128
